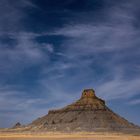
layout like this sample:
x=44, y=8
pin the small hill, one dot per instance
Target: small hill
x=17, y=125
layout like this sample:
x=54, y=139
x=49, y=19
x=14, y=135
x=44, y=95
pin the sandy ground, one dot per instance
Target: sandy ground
x=72, y=136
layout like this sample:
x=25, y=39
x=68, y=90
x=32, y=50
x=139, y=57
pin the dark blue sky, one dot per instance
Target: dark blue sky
x=50, y=50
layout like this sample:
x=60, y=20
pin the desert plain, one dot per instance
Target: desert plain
x=68, y=136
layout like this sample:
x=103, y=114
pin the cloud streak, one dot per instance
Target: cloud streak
x=135, y=102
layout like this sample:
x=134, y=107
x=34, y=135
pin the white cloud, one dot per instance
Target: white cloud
x=89, y=39
x=134, y=102
x=108, y=46
x=49, y=47
x=119, y=88
x=13, y=14
x=26, y=52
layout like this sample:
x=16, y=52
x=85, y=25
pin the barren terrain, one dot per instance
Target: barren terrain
x=70, y=136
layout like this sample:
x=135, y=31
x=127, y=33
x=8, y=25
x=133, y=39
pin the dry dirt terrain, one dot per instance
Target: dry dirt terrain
x=70, y=136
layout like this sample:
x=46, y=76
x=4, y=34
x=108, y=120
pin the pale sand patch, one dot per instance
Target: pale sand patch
x=63, y=136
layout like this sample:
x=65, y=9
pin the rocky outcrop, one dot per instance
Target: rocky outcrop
x=89, y=113
x=17, y=125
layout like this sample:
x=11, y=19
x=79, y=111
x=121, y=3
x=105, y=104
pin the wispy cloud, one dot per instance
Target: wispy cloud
x=13, y=14
x=26, y=52
x=15, y=102
x=17, y=47
x=119, y=88
x=112, y=48
x=134, y=102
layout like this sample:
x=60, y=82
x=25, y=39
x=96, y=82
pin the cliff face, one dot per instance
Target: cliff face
x=87, y=102
x=89, y=113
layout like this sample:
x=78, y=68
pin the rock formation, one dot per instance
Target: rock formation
x=89, y=113
x=17, y=125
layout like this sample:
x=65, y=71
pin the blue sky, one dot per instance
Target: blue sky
x=50, y=50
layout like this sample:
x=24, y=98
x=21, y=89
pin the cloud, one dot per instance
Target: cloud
x=26, y=52
x=12, y=15
x=134, y=102
x=98, y=38
x=119, y=89
x=14, y=102
x=18, y=100
x=18, y=48
x=49, y=47
x=107, y=50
